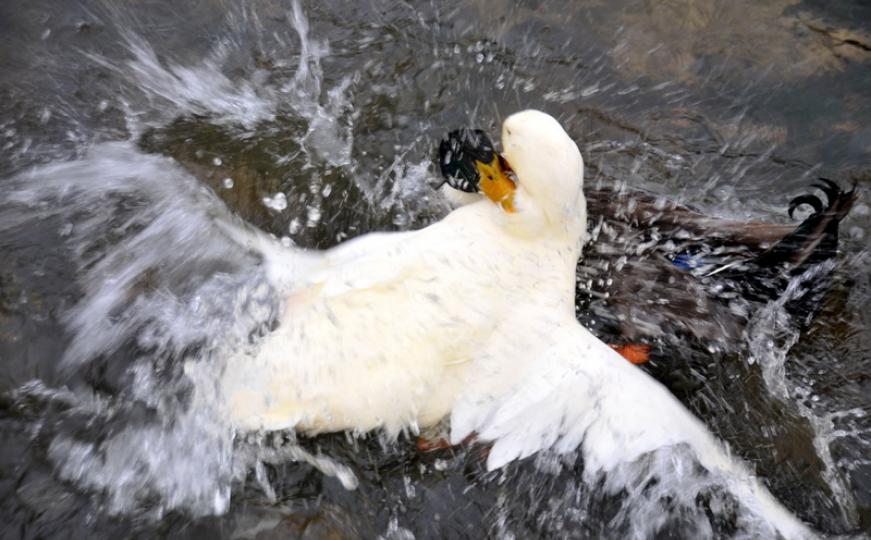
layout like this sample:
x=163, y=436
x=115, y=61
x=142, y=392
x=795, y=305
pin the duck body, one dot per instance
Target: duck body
x=388, y=329
x=473, y=320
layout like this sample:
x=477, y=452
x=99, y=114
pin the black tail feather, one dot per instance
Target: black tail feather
x=814, y=241
x=809, y=199
x=816, y=238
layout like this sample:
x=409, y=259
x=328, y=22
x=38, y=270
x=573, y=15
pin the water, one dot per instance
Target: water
x=125, y=279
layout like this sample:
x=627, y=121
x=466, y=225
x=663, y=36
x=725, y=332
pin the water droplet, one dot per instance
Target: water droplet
x=314, y=216
x=276, y=202
x=228, y=183
x=217, y=162
x=294, y=226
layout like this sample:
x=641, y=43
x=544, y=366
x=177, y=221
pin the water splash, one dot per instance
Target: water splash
x=162, y=319
x=666, y=492
x=326, y=135
x=202, y=89
x=770, y=335
x=249, y=101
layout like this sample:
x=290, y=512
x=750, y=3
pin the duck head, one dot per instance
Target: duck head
x=539, y=173
x=547, y=165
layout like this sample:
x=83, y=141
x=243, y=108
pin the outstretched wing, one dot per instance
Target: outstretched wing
x=580, y=394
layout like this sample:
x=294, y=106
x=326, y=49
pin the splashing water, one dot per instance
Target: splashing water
x=189, y=301
x=167, y=318
x=205, y=90
x=202, y=89
x=169, y=284
x=770, y=336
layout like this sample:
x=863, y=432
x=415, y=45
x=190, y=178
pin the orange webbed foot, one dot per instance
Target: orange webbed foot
x=429, y=445
x=636, y=353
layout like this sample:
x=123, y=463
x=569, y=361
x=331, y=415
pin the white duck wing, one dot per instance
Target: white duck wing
x=581, y=394
x=360, y=340
x=360, y=263
x=577, y=389
x=369, y=261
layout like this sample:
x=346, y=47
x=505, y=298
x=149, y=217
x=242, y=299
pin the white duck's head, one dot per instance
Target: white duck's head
x=538, y=179
x=547, y=165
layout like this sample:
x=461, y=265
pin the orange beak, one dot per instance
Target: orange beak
x=495, y=183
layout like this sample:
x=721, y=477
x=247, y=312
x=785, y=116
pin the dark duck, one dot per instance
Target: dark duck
x=683, y=274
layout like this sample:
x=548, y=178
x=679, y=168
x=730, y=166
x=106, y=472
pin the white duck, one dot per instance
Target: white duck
x=473, y=318
x=390, y=330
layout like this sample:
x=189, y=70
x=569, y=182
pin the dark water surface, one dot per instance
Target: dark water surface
x=318, y=122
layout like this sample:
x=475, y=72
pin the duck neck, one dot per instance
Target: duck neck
x=538, y=219
x=567, y=225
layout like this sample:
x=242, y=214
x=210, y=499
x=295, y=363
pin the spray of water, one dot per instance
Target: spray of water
x=770, y=335
x=165, y=317
x=247, y=102
x=173, y=284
